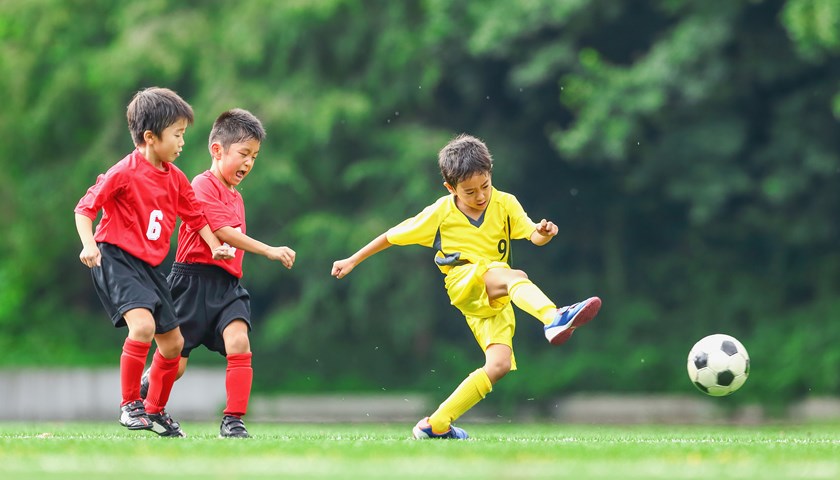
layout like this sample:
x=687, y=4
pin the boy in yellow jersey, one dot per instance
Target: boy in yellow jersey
x=471, y=230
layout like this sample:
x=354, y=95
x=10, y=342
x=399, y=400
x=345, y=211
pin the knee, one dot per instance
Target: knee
x=497, y=368
x=178, y=344
x=237, y=342
x=516, y=276
x=171, y=345
x=144, y=331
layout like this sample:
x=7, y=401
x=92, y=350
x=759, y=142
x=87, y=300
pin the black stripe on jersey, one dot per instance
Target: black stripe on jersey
x=452, y=259
x=476, y=222
x=509, y=254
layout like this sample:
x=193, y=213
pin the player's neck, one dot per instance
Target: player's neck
x=473, y=213
x=216, y=173
x=149, y=154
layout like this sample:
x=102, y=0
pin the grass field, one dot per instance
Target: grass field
x=507, y=451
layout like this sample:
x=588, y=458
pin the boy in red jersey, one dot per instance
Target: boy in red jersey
x=140, y=197
x=471, y=231
x=212, y=305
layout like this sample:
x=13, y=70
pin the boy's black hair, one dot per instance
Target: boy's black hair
x=463, y=157
x=235, y=126
x=155, y=109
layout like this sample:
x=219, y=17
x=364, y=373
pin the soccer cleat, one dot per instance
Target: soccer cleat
x=423, y=431
x=233, y=427
x=133, y=416
x=567, y=319
x=144, y=383
x=165, y=426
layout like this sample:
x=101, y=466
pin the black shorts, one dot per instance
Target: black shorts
x=207, y=299
x=124, y=282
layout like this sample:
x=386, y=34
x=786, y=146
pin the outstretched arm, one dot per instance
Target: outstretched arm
x=342, y=267
x=237, y=239
x=545, y=231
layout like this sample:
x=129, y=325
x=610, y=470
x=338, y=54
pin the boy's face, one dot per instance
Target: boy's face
x=473, y=192
x=168, y=146
x=231, y=166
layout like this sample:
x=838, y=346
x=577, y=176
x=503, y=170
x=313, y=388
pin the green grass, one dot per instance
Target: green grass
x=507, y=451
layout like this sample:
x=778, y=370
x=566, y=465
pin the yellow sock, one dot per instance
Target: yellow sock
x=527, y=296
x=471, y=391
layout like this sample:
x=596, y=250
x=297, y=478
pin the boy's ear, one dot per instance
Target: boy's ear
x=449, y=187
x=216, y=150
x=148, y=136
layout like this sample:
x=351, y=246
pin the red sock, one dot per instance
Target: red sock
x=238, y=378
x=132, y=362
x=161, y=377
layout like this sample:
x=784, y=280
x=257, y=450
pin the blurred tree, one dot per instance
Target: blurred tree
x=688, y=148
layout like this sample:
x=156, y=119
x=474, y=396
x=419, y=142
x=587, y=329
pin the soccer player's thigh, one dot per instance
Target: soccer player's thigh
x=234, y=320
x=468, y=293
x=190, y=305
x=496, y=330
x=498, y=277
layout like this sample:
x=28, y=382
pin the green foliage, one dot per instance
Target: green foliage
x=814, y=25
x=687, y=149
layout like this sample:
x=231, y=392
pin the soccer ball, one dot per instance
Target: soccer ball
x=718, y=365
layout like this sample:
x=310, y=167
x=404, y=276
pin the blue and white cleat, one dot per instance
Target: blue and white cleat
x=423, y=431
x=567, y=319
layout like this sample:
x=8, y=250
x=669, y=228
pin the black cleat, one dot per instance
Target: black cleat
x=133, y=416
x=144, y=383
x=163, y=425
x=233, y=427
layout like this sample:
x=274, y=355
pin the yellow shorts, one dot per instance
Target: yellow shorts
x=490, y=321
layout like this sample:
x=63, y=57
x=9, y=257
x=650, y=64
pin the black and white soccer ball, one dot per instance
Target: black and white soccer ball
x=718, y=365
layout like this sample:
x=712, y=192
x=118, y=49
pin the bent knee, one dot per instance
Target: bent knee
x=518, y=275
x=497, y=369
x=146, y=331
x=170, y=344
x=237, y=341
x=238, y=345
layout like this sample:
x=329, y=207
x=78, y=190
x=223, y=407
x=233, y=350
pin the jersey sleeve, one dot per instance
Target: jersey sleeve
x=218, y=213
x=189, y=209
x=107, y=186
x=420, y=229
x=521, y=225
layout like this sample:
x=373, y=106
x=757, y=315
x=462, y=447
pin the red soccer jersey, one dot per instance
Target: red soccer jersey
x=223, y=208
x=139, y=205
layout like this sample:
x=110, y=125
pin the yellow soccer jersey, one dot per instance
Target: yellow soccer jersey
x=458, y=239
